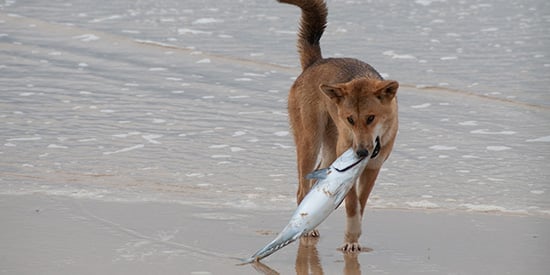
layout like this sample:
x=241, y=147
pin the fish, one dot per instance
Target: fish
x=333, y=184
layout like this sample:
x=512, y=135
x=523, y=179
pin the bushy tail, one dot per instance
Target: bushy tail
x=312, y=26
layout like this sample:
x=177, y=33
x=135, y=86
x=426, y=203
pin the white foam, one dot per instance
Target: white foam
x=498, y=148
x=442, y=148
x=204, y=61
x=238, y=97
x=57, y=146
x=398, y=56
x=206, y=21
x=151, y=138
x=422, y=204
x=286, y=32
x=487, y=132
x=282, y=146
x=421, y=106
x=237, y=149
x=24, y=139
x=239, y=133
x=87, y=140
x=254, y=74
x=88, y=37
x=173, y=78
x=243, y=204
x=281, y=133
x=491, y=29
x=218, y=146
x=155, y=43
x=243, y=79
x=126, y=135
x=251, y=113
x=540, y=139
x=131, y=31
x=427, y=2
x=470, y=157
x=195, y=175
x=445, y=58
x=483, y=207
x=468, y=123
x=220, y=156
x=125, y=149
x=191, y=31
x=111, y=17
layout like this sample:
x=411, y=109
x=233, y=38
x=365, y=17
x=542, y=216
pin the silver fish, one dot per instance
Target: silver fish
x=324, y=197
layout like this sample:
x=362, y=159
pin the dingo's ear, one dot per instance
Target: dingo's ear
x=336, y=92
x=386, y=90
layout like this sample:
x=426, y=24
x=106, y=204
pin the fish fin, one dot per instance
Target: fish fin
x=340, y=193
x=338, y=205
x=320, y=174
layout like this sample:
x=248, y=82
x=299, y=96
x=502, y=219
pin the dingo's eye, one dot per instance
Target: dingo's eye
x=350, y=120
x=370, y=119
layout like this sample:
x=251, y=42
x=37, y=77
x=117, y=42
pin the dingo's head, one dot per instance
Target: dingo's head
x=367, y=109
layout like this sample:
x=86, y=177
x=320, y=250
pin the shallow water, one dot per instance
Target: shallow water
x=186, y=102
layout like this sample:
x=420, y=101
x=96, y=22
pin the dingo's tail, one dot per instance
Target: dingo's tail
x=312, y=26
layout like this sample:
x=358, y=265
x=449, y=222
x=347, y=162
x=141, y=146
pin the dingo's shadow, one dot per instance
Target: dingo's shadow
x=309, y=262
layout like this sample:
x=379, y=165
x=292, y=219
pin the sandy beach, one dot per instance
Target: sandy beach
x=61, y=235
x=151, y=137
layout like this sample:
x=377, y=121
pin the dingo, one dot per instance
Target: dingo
x=337, y=103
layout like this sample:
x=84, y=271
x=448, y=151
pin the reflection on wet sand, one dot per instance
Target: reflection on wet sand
x=309, y=262
x=307, y=257
x=264, y=269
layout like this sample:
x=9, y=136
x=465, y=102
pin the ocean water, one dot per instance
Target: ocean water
x=185, y=101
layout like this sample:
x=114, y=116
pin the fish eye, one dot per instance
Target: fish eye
x=370, y=119
x=350, y=120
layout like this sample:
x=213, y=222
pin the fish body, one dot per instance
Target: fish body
x=333, y=184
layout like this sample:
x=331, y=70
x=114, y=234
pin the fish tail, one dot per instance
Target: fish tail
x=283, y=239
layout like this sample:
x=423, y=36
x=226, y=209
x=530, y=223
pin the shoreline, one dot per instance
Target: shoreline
x=83, y=192
x=62, y=235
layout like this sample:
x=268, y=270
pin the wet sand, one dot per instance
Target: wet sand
x=62, y=235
